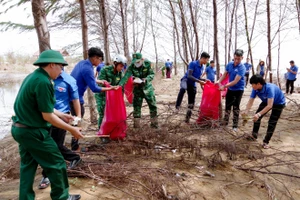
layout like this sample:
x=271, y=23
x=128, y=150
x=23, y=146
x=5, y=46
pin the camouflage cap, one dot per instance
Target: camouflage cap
x=50, y=56
x=136, y=57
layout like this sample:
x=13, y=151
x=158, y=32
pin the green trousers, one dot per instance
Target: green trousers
x=139, y=95
x=36, y=147
x=100, y=101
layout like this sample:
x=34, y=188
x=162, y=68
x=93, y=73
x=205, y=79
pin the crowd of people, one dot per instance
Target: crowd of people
x=49, y=100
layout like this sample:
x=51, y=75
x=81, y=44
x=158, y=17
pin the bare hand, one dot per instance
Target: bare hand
x=255, y=117
x=202, y=82
x=222, y=87
x=66, y=118
x=76, y=133
x=115, y=87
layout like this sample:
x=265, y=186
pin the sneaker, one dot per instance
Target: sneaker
x=74, y=197
x=265, y=146
x=235, y=130
x=74, y=163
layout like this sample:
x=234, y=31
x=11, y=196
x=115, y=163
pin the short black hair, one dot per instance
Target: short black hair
x=257, y=79
x=292, y=62
x=212, y=61
x=204, y=55
x=95, y=51
x=239, y=52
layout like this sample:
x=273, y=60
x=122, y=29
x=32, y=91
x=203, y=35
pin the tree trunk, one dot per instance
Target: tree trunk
x=133, y=27
x=215, y=13
x=40, y=24
x=269, y=41
x=226, y=35
x=230, y=31
x=195, y=29
x=154, y=38
x=175, y=51
x=103, y=16
x=177, y=35
x=90, y=94
x=123, y=9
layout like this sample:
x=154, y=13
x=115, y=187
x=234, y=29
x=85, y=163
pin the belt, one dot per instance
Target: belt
x=15, y=124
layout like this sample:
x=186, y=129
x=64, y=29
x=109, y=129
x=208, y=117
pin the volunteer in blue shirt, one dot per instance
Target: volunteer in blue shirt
x=168, y=66
x=236, y=85
x=210, y=71
x=66, y=91
x=83, y=73
x=98, y=68
x=272, y=99
x=188, y=82
x=291, y=77
x=248, y=67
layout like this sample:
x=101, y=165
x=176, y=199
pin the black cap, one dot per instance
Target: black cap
x=239, y=52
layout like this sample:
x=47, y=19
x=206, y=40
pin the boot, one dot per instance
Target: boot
x=154, y=122
x=136, y=123
x=188, y=116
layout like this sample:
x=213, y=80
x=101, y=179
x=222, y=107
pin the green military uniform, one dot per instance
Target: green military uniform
x=113, y=77
x=142, y=91
x=31, y=131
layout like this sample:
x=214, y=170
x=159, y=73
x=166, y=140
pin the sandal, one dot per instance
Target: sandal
x=45, y=182
x=265, y=146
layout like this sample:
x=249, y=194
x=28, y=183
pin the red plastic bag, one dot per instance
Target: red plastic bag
x=209, y=108
x=128, y=90
x=224, y=82
x=114, y=120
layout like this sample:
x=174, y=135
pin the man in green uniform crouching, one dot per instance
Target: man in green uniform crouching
x=34, y=114
x=111, y=74
x=143, y=74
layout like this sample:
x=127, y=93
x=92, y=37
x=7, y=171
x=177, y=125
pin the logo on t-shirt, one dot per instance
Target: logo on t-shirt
x=61, y=89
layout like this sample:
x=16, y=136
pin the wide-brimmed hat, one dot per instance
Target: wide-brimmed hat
x=136, y=57
x=50, y=56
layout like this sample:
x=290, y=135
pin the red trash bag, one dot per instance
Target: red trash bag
x=128, y=89
x=224, y=82
x=209, y=108
x=114, y=120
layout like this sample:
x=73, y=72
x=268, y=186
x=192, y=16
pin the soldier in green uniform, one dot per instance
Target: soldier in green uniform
x=141, y=70
x=34, y=114
x=111, y=74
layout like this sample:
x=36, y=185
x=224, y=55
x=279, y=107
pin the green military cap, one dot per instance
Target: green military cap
x=136, y=57
x=50, y=56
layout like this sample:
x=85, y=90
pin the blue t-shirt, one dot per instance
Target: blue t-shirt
x=197, y=72
x=234, y=71
x=262, y=70
x=269, y=91
x=66, y=90
x=168, y=64
x=248, y=66
x=83, y=73
x=211, y=73
x=99, y=67
x=292, y=76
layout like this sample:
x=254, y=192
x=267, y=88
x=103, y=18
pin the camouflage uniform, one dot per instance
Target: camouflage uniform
x=144, y=90
x=113, y=77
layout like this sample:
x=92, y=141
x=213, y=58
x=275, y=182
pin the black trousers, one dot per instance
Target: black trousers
x=233, y=99
x=58, y=136
x=288, y=84
x=191, y=92
x=74, y=142
x=275, y=114
x=247, y=78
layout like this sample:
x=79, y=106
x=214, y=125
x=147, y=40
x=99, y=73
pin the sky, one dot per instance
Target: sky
x=27, y=43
